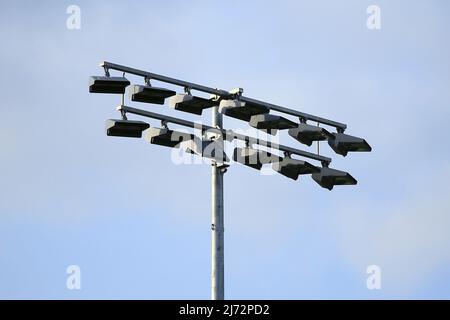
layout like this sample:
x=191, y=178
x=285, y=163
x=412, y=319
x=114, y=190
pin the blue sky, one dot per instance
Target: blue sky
x=139, y=226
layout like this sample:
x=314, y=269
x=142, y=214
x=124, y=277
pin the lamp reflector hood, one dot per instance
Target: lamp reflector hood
x=328, y=178
x=271, y=122
x=306, y=133
x=241, y=110
x=292, y=168
x=150, y=94
x=342, y=144
x=166, y=137
x=125, y=128
x=108, y=84
x=254, y=158
x=210, y=149
x=191, y=104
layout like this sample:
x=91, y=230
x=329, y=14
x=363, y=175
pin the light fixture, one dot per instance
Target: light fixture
x=342, y=144
x=189, y=103
x=108, y=84
x=212, y=149
x=149, y=94
x=166, y=137
x=271, y=122
x=125, y=128
x=241, y=110
x=292, y=168
x=328, y=178
x=306, y=133
x=254, y=158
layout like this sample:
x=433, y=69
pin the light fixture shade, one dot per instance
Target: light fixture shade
x=241, y=110
x=328, y=178
x=125, y=128
x=271, y=123
x=150, y=94
x=292, y=168
x=166, y=137
x=210, y=149
x=108, y=84
x=306, y=133
x=191, y=104
x=254, y=158
x=342, y=144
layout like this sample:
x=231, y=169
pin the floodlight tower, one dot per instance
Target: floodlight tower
x=232, y=104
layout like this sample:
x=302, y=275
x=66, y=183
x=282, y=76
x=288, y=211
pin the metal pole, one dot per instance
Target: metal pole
x=217, y=226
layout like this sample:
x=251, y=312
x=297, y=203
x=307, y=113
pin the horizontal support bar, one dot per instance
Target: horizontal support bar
x=221, y=93
x=295, y=113
x=224, y=132
x=159, y=77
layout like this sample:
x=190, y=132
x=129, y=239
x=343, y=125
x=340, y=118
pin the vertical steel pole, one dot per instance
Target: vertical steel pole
x=217, y=227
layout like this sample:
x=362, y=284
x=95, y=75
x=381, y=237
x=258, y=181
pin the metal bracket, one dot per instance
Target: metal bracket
x=122, y=112
x=215, y=97
x=164, y=124
x=213, y=227
x=187, y=90
x=106, y=71
x=213, y=135
x=236, y=93
x=147, y=81
x=223, y=167
x=318, y=142
x=250, y=141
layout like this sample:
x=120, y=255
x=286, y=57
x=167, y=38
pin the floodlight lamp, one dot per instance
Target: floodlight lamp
x=342, y=144
x=149, y=94
x=271, y=123
x=306, y=133
x=125, y=128
x=254, y=158
x=216, y=133
x=166, y=137
x=241, y=110
x=108, y=84
x=328, y=178
x=292, y=168
x=189, y=103
x=212, y=149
